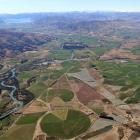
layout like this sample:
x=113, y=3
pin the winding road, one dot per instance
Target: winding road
x=11, y=94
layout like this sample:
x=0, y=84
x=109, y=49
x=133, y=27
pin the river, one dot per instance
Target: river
x=11, y=94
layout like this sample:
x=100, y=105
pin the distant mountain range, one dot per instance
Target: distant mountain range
x=23, y=32
x=35, y=22
x=72, y=15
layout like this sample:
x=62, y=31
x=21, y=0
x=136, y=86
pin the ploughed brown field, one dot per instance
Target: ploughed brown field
x=119, y=54
x=87, y=94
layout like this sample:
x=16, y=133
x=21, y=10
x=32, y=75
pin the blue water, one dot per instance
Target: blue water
x=18, y=20
x=11, y=94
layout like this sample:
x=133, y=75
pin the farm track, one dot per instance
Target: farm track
x=38, y=131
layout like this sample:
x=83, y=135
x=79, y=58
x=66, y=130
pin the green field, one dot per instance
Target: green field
x=64, y=94
x=38, y=89
x=105, y=47
x=84, y=39
x=29, y=119
x=69, y=66
x=25, y=75
x=97, y=109
x=23, y=129
x=75, y=124
x=7, y=122
x=136, y=50
x=20, y=132
x=135, y=98
x=126, y=75
x=59, y=54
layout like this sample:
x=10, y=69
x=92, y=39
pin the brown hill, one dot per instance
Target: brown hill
x=119, y=54
x=17, y=42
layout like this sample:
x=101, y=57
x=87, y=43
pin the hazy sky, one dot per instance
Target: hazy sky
x=20, y=6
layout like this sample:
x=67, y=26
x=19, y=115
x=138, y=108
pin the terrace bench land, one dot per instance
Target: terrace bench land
x=73, y=45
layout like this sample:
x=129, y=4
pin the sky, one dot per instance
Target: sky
x=30, y=6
